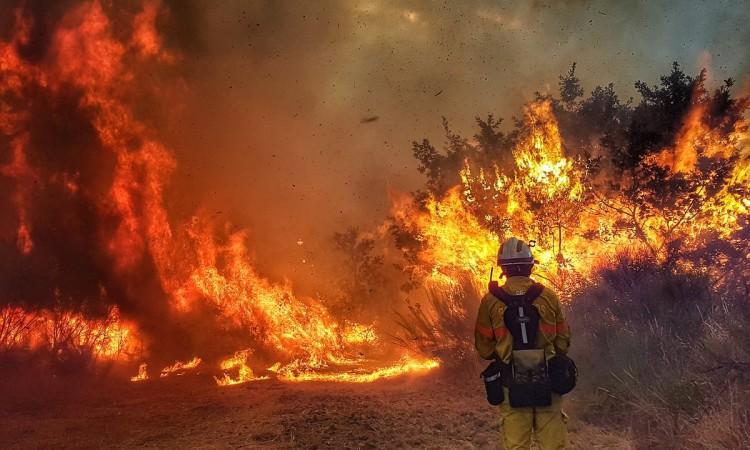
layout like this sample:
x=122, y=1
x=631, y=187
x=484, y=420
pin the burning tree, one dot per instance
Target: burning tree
x=682, y=170
x=93, y=260
x=668, y=175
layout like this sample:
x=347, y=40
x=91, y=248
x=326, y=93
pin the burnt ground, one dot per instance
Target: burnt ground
x=191, y=412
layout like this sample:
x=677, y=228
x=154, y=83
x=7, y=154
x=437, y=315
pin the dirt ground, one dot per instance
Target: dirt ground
x=192, y=412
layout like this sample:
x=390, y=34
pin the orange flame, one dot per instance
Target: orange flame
x=106, y=338
x=237, y=363
x=196, y=262
x=142, y=373
x=404, y=366
x=25, y=177
x=180, y=367
x=545, y=199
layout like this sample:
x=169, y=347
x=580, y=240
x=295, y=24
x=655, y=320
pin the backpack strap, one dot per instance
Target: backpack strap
x=528, y=297
x=532, y=293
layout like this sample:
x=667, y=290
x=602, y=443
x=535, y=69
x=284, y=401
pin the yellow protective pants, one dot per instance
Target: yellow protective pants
x=546, y=423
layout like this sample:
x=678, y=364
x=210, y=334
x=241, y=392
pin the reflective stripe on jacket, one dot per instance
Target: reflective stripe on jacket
x=492, y=337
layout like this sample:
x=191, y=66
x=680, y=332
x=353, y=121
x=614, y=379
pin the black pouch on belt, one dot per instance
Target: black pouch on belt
x=493, y=377
x=563, y=374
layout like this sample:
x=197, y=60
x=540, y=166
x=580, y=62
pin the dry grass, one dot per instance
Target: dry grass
x=724, y=426
x=664, y=355
x=445, y=326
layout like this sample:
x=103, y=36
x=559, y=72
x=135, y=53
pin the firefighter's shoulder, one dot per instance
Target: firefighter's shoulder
x=490, y=302
x=488, y=298
x=549, y=294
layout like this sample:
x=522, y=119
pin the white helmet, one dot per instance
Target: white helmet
x=513, y=252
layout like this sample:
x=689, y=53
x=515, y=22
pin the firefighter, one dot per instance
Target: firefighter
x=494, y=340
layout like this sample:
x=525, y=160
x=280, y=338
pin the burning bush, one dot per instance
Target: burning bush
x=16, y=327
x=71, y=341
x=445, y=326
x=585, y=178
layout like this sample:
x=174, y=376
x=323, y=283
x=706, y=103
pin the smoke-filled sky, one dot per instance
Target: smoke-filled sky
x=272, y=130
x=269, y=128
x=293, y=120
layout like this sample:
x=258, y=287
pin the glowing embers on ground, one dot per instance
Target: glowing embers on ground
x=178, y=368
x=236, y=370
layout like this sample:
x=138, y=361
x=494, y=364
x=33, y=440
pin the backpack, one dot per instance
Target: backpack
x=521, y=316
x=529, y=384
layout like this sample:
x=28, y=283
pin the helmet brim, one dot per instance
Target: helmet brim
x=515, y=261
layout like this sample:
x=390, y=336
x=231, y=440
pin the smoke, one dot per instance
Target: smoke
x=263, y=104
x=273, y=131
x=60, y=148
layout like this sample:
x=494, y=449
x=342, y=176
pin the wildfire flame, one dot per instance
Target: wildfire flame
x=180, y=367
x=57, y=331
x=198, y=263
x=405, y=365
x=237, y=363
x=545, y=199
x=142, y=373
x=202, y=264
x=357, y=333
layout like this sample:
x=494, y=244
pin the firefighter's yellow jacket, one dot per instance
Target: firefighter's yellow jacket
x=492, y=337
